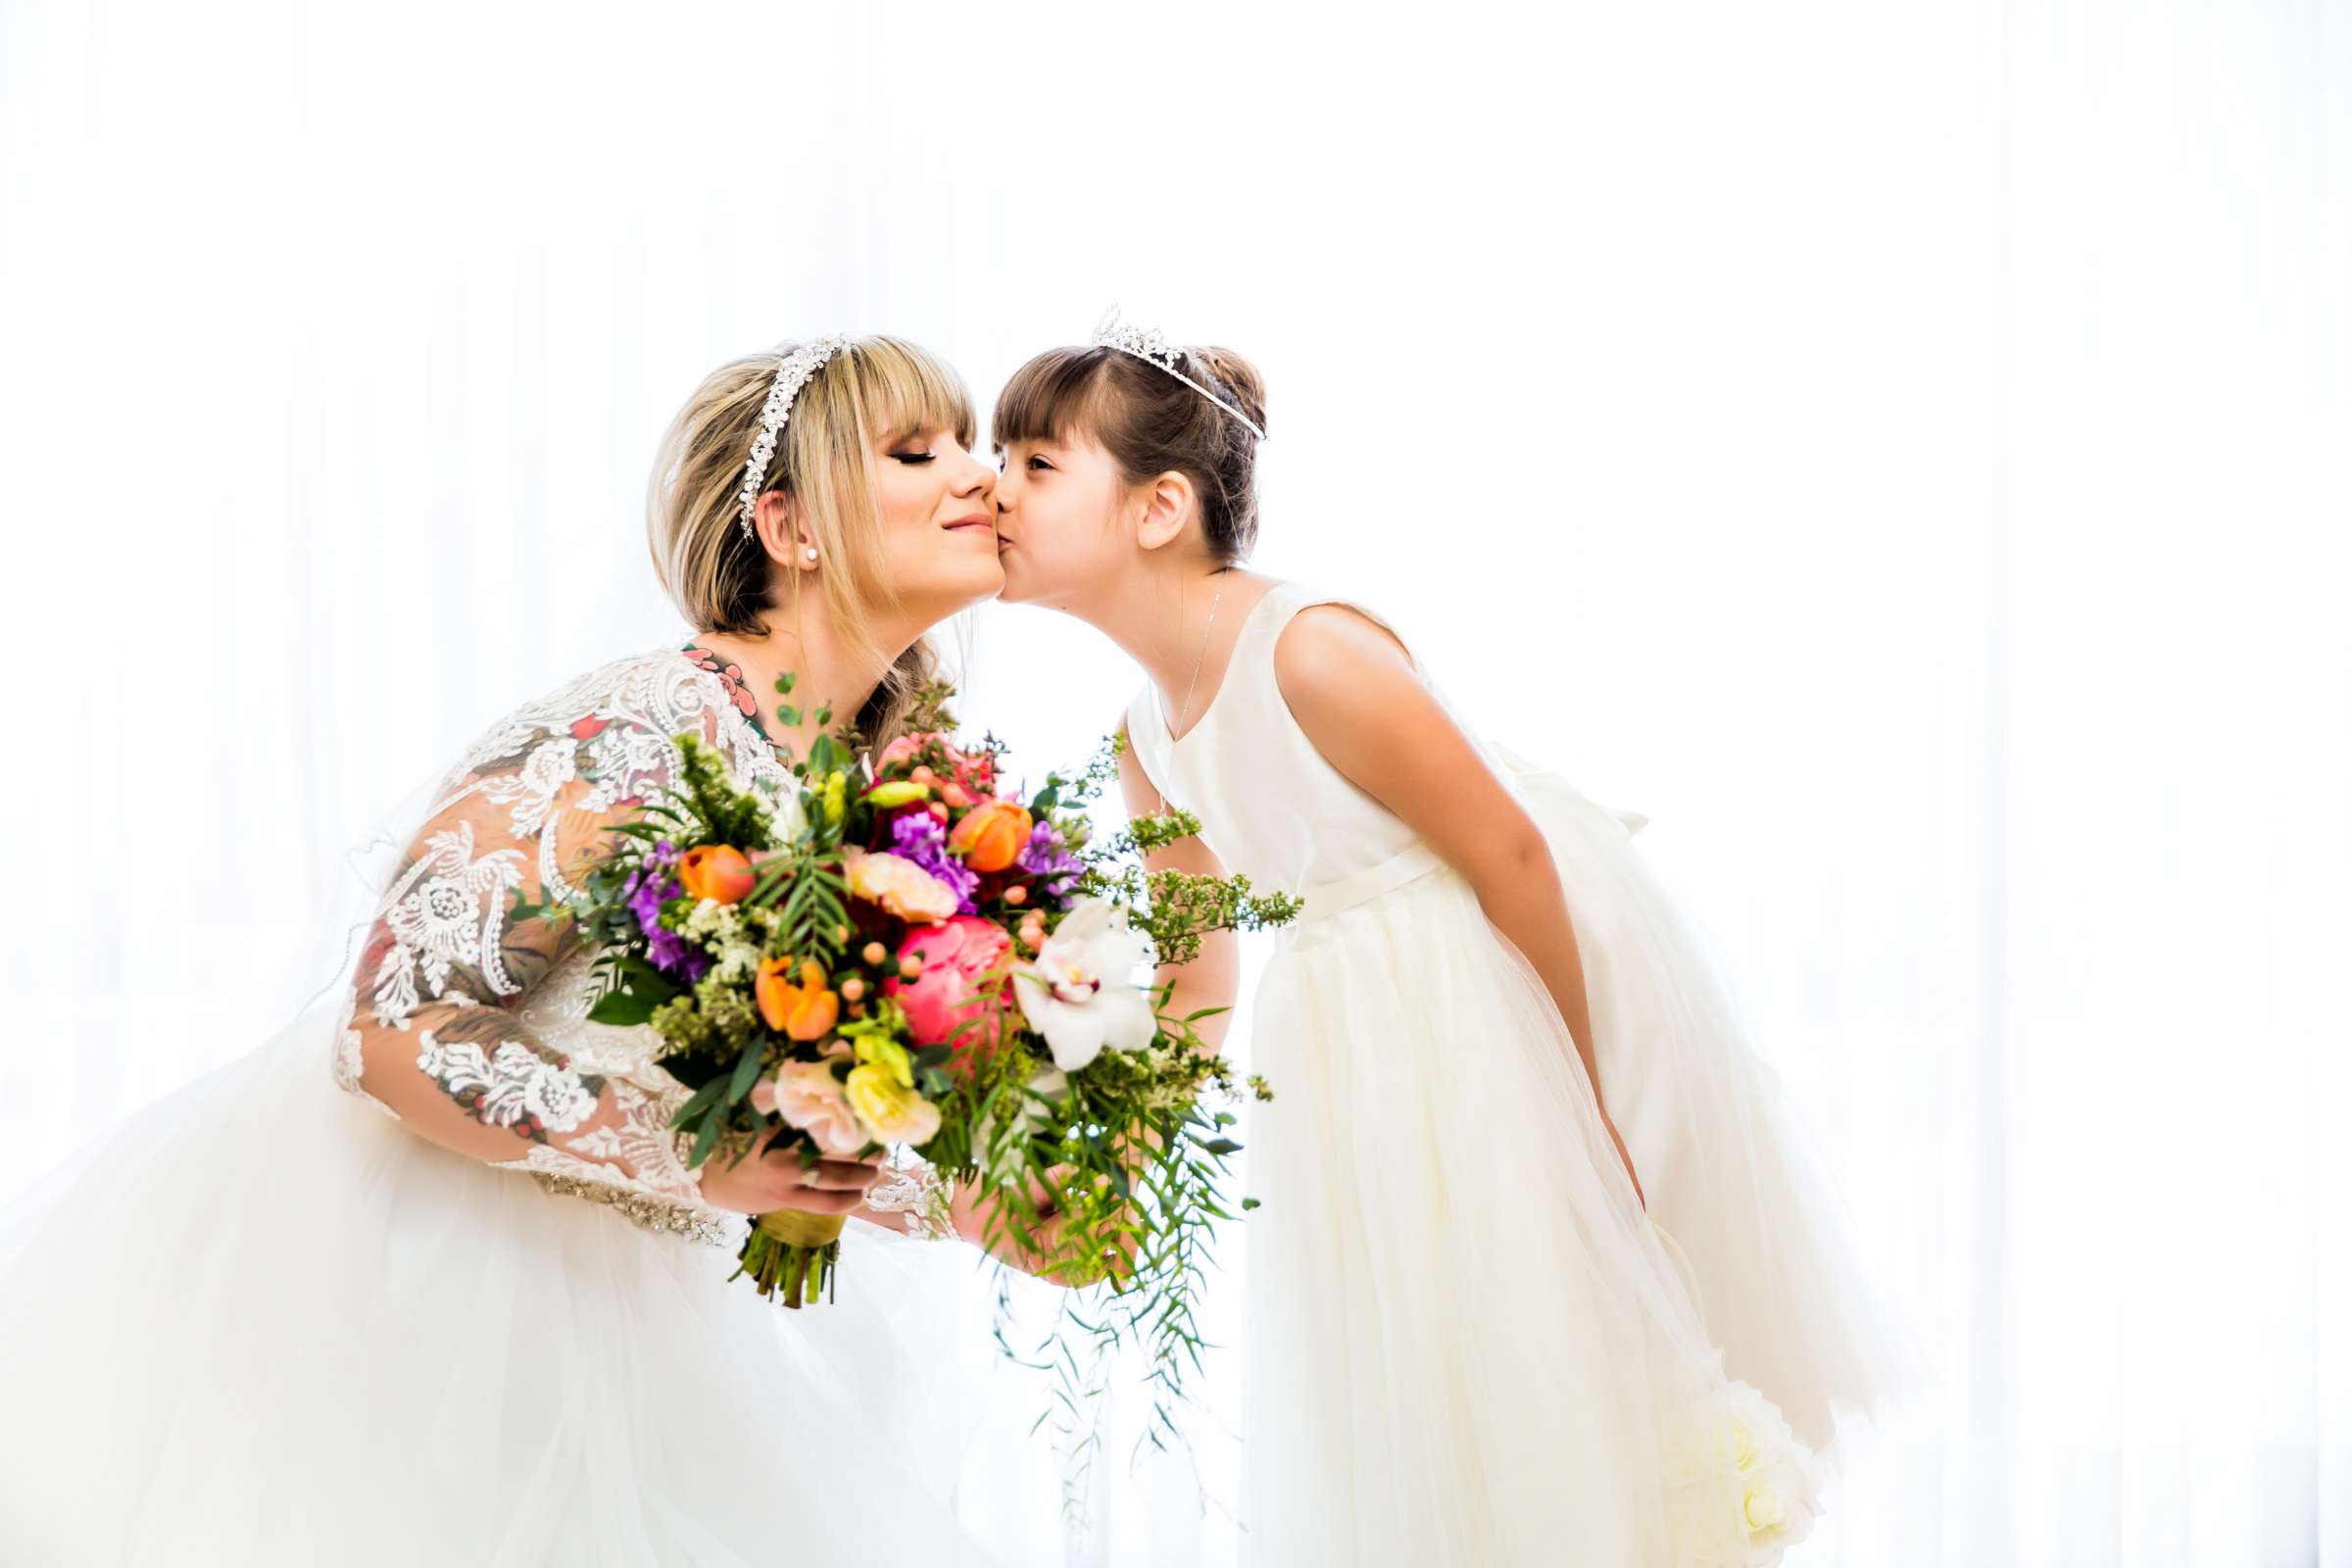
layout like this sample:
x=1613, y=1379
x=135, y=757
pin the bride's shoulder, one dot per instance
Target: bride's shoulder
x=622, y=716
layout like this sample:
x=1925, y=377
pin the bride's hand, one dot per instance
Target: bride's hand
x=770, y=1178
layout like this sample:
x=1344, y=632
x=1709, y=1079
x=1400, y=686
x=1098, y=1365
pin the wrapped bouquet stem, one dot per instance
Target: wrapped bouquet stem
x=790, y=1254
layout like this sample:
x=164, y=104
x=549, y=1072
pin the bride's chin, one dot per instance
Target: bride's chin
x=985, y=581
x=1016, y=586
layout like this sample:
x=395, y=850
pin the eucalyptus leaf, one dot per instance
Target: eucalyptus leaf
x=746, y=1070
x=706, y=1140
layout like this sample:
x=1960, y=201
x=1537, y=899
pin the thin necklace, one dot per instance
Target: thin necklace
x=1198, y=660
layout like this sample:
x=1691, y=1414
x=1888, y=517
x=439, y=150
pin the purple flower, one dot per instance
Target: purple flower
x=918, y=837
x=649, y=890
x=1045, y=857
x=647, y=898
x=672, y=955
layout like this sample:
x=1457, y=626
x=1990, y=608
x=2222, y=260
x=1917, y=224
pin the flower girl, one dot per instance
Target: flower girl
x=1469, y=1341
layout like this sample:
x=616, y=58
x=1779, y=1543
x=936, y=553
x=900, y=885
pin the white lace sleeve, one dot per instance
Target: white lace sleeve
x=469, y=1015
x=918, y=1194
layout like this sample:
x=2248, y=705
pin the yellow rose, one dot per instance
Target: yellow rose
x=893, y=1113
x=1767, y=1510
x=882, y=1051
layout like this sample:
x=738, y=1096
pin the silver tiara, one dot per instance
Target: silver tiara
x=1153, y=347
x=792, y=373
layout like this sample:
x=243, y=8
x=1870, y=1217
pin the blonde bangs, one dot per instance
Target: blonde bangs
x=906, y=391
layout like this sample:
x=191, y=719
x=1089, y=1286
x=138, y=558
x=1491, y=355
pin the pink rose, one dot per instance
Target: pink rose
x=897, y=884
x=958, y=957
x=807, y=1095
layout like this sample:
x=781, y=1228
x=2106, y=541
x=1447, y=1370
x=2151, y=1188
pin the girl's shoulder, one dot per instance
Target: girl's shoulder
x=1331, y=636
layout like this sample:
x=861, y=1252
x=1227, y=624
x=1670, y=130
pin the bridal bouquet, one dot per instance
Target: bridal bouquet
x=911, y=955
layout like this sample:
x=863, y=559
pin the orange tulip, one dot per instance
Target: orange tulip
x=805, y=1011
x=717, y=871
x=992, y=835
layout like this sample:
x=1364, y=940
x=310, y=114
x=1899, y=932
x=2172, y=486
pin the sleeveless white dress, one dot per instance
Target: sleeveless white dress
x=1468, y=1344
x=264, y=1323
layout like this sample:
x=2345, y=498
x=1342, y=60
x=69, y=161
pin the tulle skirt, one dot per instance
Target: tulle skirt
x=1467, y=1344
x=260, y=1323
x=1723, y=1165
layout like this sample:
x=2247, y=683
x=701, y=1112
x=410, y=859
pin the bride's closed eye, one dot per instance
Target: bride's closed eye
x=915, y=458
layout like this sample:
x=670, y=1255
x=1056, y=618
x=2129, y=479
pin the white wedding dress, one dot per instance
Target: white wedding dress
x=264, y=1322
x=1467, y=1343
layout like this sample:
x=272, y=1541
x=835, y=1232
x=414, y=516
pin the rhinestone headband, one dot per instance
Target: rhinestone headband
x=1153, y=348
x=792, y=373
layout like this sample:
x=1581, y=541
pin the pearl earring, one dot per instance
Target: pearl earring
x=808, y=554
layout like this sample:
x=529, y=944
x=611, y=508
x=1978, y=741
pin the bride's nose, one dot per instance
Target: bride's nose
x=977, y=478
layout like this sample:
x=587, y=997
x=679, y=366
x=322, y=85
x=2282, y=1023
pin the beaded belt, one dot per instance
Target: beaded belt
x=710, y=1226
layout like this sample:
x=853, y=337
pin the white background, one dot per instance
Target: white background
x=1901, y=449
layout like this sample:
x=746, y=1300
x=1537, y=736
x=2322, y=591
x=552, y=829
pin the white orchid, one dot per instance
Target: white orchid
x=1081, y=993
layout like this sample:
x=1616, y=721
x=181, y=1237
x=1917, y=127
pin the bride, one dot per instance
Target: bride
x=424, y=1278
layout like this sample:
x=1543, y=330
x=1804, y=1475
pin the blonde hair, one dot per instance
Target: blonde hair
x=720, y=578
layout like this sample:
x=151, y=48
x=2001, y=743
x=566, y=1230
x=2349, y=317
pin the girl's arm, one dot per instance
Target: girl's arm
x=1210, y=980
x=1213, y=979
x=1354, y=691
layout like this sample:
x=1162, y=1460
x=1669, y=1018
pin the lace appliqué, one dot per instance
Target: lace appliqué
x=919, y=1195
x=512, y=1085
x=613, y=727
x=447, y=910
x=601, y=743
x=350, y=1063
x=638, y=1168
x=556, y=1012
x=646, y=1096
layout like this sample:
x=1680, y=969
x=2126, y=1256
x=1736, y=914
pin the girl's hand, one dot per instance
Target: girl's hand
x=771, y=1177
x=1042, y=1262
x=971, y=1223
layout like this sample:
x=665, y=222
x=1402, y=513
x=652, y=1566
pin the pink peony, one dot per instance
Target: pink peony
x=904, y=747
x=897, y=885
x=957, y=955
x=807, y=1096
x=976, y=772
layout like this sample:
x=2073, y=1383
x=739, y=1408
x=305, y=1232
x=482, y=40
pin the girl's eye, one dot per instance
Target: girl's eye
x=1040, y=462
